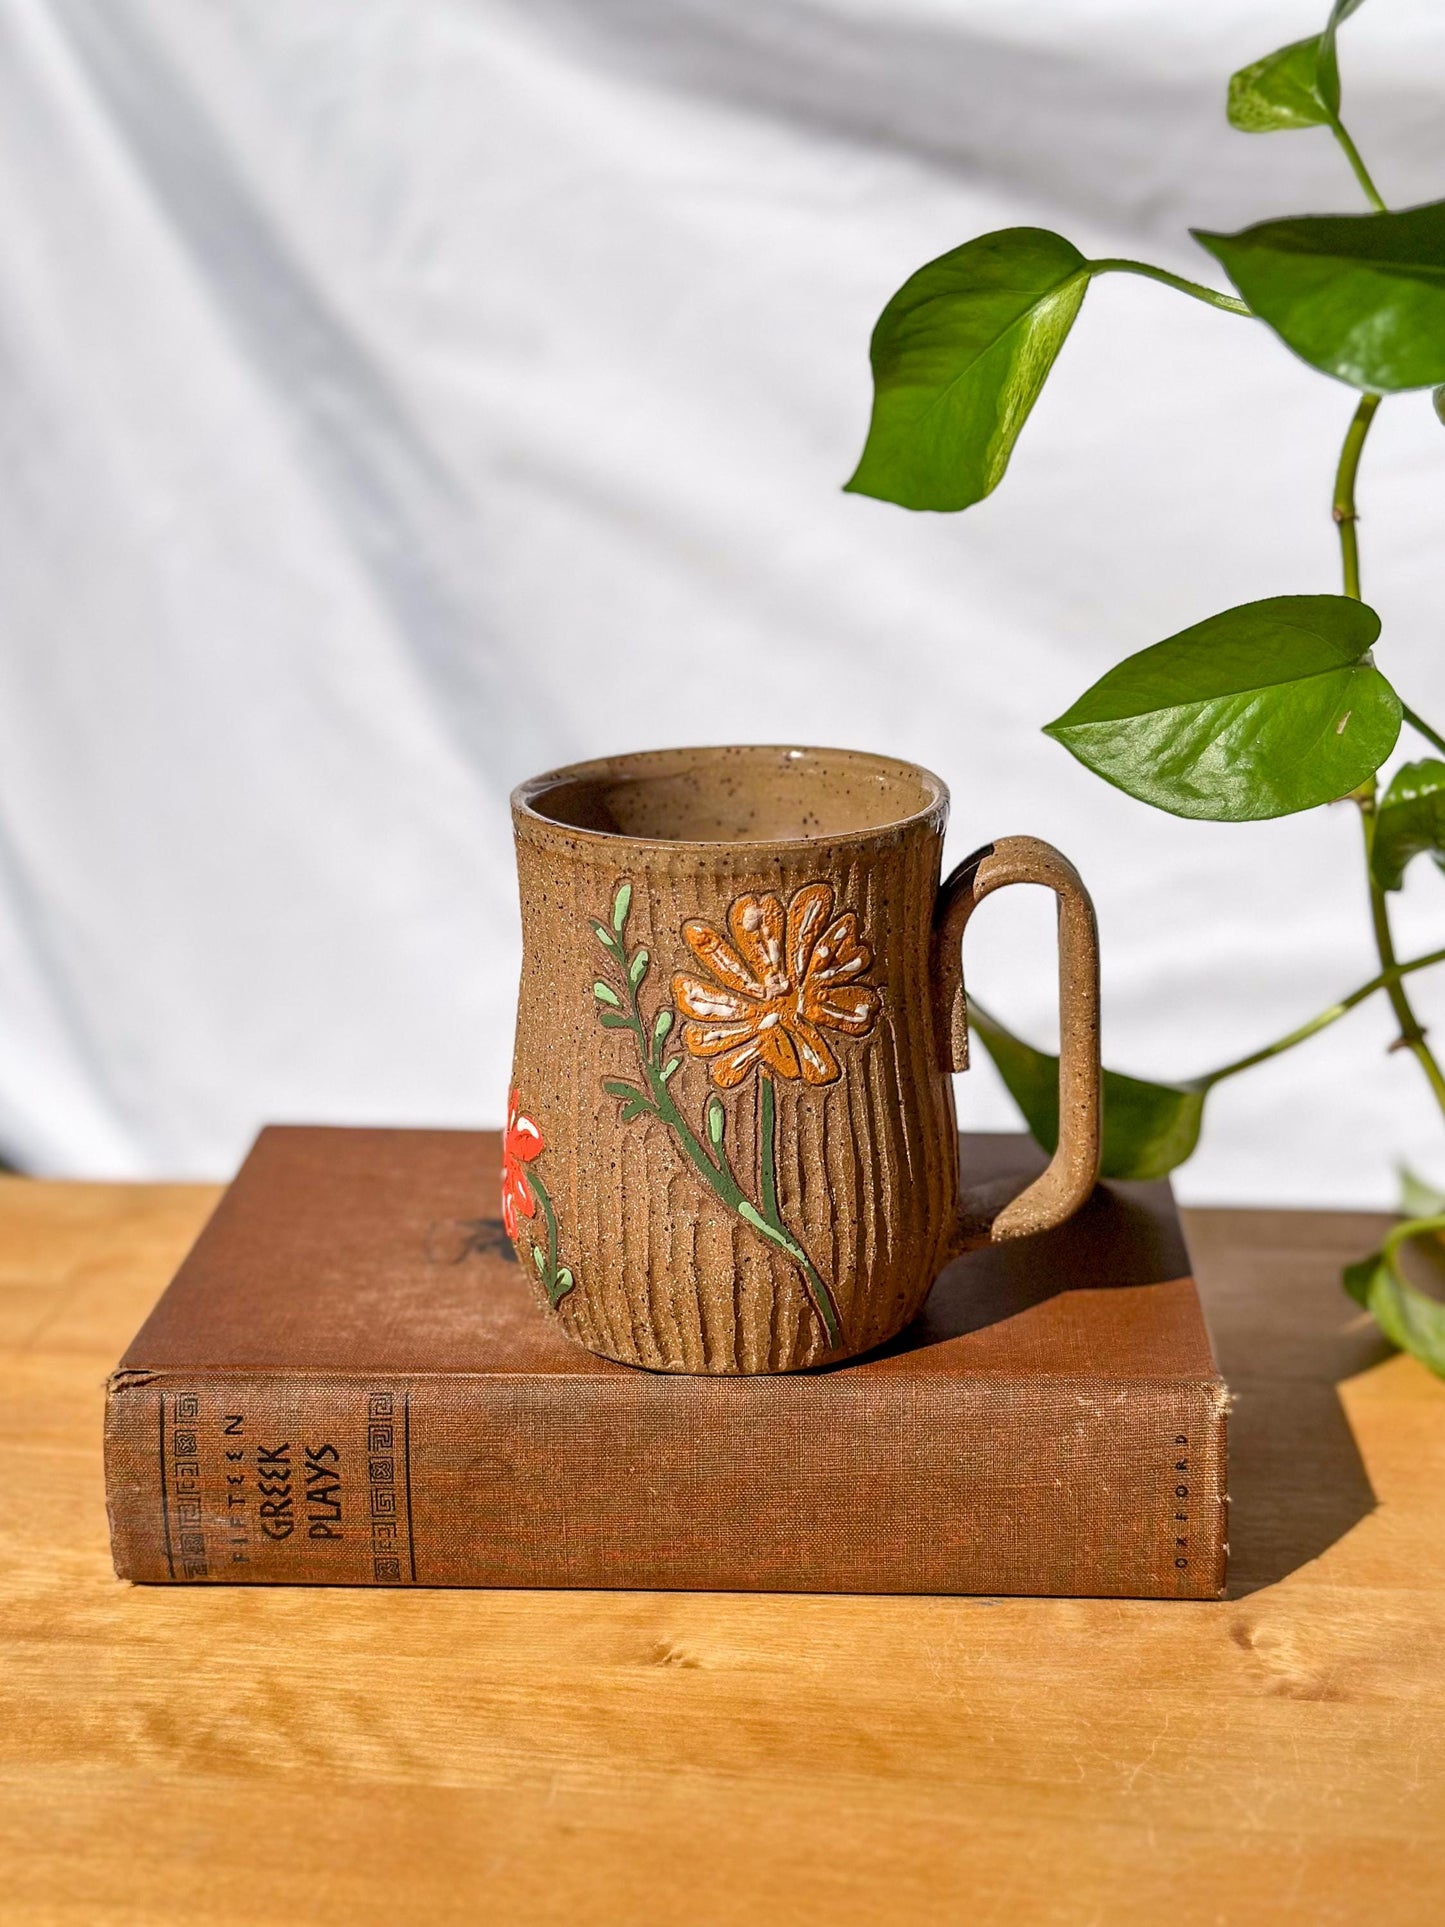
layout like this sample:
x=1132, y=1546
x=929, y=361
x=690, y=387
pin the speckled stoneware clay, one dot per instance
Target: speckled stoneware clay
x=730, y=1141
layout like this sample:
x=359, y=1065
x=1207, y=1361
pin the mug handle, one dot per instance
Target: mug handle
x=1074, y=1168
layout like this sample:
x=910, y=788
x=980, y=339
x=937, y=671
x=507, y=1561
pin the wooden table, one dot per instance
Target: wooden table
x=254, y=1756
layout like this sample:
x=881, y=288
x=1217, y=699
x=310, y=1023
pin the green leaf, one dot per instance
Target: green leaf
x=538, y=1259
x=621, y=904
x=619, y=1087
x=1263, y=710
x=716, y=1121
x=637, y=970
x=605, y=937
x=1281, y=91
x=669, y=1067
x=661, y=1025
x=1148, y=1128
x=605, y=994
x=615, y=1020
x=1411, y=820
x=1359, y=296
x=1418, y=1199
x=959, y=356
x=1406, y=1315
x=1297, y=86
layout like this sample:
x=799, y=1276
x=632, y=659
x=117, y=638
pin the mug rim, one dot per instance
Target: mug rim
x=526, y=795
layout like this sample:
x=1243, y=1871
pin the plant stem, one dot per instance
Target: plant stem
x=1362, y=173
x=1419, y=724
x=1343, y=508
x=1412, y=1032
x=1229, y=302
x=1406, y=1233
x=1321, y=1021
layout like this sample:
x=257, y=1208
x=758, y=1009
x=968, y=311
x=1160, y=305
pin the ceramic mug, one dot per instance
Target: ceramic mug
x=730, y=1141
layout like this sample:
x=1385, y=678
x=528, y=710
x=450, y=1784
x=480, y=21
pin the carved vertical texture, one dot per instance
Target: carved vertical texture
x=867, y=1166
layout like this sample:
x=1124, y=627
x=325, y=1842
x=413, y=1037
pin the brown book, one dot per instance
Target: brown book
x=350, y=1382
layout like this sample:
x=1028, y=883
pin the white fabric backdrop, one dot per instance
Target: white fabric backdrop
x=403, y=395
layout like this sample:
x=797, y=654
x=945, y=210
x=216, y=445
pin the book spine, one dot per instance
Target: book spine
x=1065, y=1486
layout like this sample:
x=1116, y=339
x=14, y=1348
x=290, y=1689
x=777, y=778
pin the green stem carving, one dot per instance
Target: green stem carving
x=557, y=1280
x=710, y=1160
x=767, y=1150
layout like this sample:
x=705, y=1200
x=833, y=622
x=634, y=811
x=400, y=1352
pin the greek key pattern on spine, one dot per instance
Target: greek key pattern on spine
x=183, y=1475
x=388, y=1479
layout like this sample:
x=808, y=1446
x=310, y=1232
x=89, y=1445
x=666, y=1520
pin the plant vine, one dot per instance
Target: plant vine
x=1262, y=710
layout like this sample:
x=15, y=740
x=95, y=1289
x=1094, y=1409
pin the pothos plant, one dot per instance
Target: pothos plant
x=1260, y=711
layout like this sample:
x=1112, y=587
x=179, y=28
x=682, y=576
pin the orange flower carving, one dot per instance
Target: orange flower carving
x=785, y=979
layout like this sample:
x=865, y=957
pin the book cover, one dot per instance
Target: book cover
x=350, y=1381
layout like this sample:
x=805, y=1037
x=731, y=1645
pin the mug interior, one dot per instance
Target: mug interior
x=772, y=794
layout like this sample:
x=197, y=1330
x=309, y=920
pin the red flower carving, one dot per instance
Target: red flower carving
x=521, y=1143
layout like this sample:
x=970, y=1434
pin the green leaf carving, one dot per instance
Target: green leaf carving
x=605, y=937
x=716, y=1121
x=661, y=1025
x=959, y=356
x=1148, y=1128
x=619, y=1087
x=615, y=1020
x=621, y=904
x=637, y=970
x=1407, y=1316
x=1411, y=820
x=1359, y=296
x=605, y=994
x=538, y=1258
x=1263, y=710
x=750, y=1213
x=669, y=1067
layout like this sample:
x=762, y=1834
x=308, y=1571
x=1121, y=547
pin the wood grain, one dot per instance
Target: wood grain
x=257, y=1756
